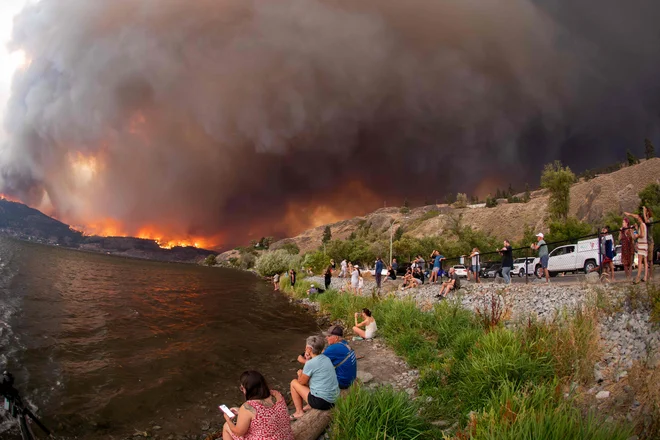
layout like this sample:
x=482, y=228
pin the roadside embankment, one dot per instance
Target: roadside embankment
x=489, y=349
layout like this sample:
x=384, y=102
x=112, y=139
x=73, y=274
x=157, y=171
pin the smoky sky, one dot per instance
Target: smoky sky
x=215, y=116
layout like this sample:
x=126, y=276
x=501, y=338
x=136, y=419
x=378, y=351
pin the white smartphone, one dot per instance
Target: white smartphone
x=227, y=411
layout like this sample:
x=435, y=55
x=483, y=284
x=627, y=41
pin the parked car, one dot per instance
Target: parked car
x=493, y=271
x=485, y=267
x=460, y=270
x=519, y=266
x=582, y=256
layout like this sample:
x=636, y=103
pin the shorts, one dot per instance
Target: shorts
x=436, y=269
x=318, y=403
x=607, y=260
x=544, y=261
x=476, y=269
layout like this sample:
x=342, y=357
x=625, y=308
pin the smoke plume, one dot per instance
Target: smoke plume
x=233, y=117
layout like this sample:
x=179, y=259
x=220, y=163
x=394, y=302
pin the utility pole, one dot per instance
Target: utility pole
x=391, y=235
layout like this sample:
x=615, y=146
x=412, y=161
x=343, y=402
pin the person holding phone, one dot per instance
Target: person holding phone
x=263, y=416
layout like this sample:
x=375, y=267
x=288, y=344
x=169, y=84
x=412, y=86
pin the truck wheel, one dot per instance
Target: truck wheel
x=589, y=266
x=521, y=273
x=539, y=271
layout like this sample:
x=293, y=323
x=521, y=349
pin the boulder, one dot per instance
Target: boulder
x=311, y=425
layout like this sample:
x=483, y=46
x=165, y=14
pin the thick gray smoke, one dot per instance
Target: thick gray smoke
x=214, y=116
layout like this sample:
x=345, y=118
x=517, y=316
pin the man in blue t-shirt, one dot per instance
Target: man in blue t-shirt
x=342, y=356
x=378, y=272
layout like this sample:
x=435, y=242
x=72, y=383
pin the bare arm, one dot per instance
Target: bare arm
x=245, y=415
x=303, y=378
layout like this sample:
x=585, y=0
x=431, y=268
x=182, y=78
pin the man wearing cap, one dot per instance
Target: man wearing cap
x=543, y=254
x=342, y=356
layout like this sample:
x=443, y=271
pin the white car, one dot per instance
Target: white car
x=519, y=266
x=383, y=272
x=460, y=270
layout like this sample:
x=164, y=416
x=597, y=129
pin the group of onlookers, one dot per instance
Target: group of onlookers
x=329, y=365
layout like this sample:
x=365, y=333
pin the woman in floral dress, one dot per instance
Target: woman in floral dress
x=627, y=247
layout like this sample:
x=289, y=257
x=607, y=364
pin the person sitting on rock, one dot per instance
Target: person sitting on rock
x=391, y=273
x=264, y=414
x=340, y=353
x=313, y=290
x=317, y=381
x=454, y=283
x=369, y=324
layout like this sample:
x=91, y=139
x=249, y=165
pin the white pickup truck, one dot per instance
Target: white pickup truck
x=582, y=256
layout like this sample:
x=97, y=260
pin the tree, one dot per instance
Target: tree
x=398, y=233
x=291, y=247
x=210, y=260
x=405, y=209
x=558, y=180
x=490, y=202
x=461, y=200
x=632, y=160
x=527, y=196
x=650, y=197
x=272, y=262
x=568, y=229
x=649, y=150
x=327, y=235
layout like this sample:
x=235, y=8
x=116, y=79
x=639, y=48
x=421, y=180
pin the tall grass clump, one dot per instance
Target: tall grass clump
x=537, y=412
x=570, y=341
x=377, y=414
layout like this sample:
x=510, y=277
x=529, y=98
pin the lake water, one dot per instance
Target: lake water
x=102, y=345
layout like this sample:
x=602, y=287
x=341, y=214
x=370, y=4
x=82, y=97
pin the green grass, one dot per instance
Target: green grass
x=537, y=412
x=509, y=378
x=377, y=414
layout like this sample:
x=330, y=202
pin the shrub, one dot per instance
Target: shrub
x=379, y=414
x=461, y=200
x=271, y=262
x=210, y=260
x=490, y=202
x=537, y=412
x=570, y=342
x=318, y=261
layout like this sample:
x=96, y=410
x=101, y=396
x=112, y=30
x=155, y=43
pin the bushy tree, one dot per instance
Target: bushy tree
x=398, y=233
x=271, y=262
x=247, y=261
x=291, y=247
x=461, y=200
x=612, y=220
x=490, y=202
x=317, y=260
x=210, y=260
x=327, y=235
x=632, y=159
x=649, y=150
x=558, y=180
x=569, y=229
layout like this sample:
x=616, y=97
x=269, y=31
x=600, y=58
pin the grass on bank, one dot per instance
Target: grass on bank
x=495, y=382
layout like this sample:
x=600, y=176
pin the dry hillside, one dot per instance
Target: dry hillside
x=589, y=201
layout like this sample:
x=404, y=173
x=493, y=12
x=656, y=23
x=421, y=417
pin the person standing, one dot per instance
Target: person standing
x=332, y=264
x=641, y=235
x=327, y=277
x=627, y=247
x=395, y=265
x=542, y=247
x=476, y=266
x=507, y=261
x=343, y=265
x=379, y=271
x=276, y=282
x=355, y=278
x=435, y=256
x=292, y=277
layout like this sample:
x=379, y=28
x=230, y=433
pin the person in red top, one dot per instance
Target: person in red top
x=264, y=415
